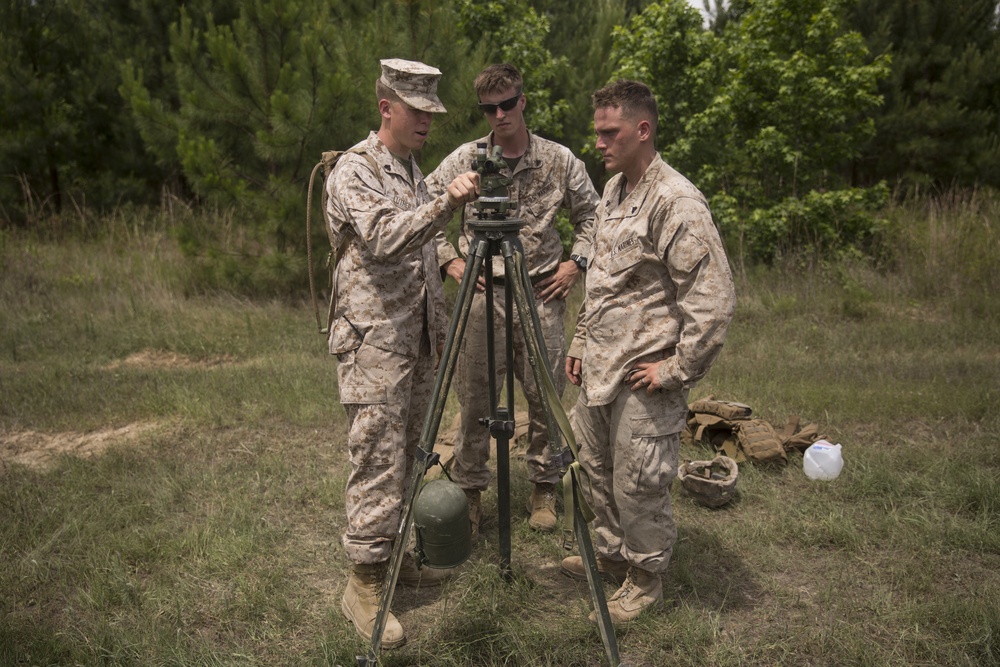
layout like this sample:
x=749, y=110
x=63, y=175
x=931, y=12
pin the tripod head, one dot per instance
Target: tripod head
x=494, y=203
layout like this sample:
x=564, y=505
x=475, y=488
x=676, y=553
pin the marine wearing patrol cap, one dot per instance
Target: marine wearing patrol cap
x=414, y=82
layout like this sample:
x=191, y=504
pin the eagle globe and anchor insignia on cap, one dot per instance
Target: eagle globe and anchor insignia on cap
x=414, y=82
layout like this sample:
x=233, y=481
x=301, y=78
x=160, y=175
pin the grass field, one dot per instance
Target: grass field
x=172, y=469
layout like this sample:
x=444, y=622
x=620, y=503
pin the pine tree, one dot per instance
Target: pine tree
x=581, y=34
x=940, y=125
x=61, y=126
x=260, y=98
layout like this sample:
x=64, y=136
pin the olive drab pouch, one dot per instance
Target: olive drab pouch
x=729, y=428
x=758, y=441
x=797, y=437
x=710, y=422
x=338, y=240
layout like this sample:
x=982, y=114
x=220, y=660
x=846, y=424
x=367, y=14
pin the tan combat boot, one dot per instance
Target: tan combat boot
x=642, y=590
x=475, y=497
x=360, y=604
x=411, y=575
x=612, y=571
x=542, y=505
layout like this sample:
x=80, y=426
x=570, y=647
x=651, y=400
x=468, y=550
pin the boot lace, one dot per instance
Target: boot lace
x=627, y=586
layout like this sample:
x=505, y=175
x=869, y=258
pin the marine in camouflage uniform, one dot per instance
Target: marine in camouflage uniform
x=389, y=311
x=546, y=177
x=387, y=319
x=659, y=299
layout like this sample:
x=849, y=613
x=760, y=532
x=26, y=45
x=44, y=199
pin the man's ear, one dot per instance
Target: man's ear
x=645, y=130
x=385, y=109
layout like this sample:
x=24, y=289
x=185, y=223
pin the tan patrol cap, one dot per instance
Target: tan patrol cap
x=415, y=83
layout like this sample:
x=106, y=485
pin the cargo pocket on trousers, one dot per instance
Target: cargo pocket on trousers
x=648, y=470
x=373, y=421
x=345, y=337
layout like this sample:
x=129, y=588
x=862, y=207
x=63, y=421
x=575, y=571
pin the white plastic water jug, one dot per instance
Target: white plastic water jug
x=822, y=461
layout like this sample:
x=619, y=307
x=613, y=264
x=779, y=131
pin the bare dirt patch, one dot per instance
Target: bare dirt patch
x=163, y=359
x=40, y=450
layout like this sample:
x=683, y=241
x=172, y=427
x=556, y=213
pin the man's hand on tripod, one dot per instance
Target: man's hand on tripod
x=456, y=269
x=558, y=285
x=463, y=189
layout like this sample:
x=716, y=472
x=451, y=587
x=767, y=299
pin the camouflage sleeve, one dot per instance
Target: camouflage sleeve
x=387, y=231
x=445, y=249
x=706, y=297
x=437, y=184
x=578, y=346
x=582, y=200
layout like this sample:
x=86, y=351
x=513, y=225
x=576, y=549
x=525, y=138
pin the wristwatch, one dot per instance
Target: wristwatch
x=580, y=261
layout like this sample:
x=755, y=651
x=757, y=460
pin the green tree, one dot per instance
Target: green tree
x=60, y=129
x=65, y=136
x=261, y=97
x=791, y=97
x=515, y=32
x=667, y=47
x=940, y=125
x=581, y=32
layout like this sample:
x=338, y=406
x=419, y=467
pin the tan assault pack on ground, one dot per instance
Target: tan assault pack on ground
x=728, y=428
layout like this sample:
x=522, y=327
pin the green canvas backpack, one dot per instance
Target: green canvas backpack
x=326, y=165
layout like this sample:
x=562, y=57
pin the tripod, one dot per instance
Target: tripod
x=497, y=235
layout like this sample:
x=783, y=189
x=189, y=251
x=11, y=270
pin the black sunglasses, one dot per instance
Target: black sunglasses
x=506, y=105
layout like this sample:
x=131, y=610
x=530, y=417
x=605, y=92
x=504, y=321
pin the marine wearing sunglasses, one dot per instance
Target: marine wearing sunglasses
x=504, y=105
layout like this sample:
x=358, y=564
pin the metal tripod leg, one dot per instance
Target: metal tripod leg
x=518, y=286
x=596, y=585
x=537, y=354
x=524, y=299
x=425, y=456
x=500, y=421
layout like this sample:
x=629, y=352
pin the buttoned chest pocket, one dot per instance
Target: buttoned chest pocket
x=625, y=258
x=542, y=199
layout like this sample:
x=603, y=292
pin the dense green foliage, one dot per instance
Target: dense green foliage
x=65, y=139
x=251, y=95
x=940, y=125
x=735, y=122
x=789, y=114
